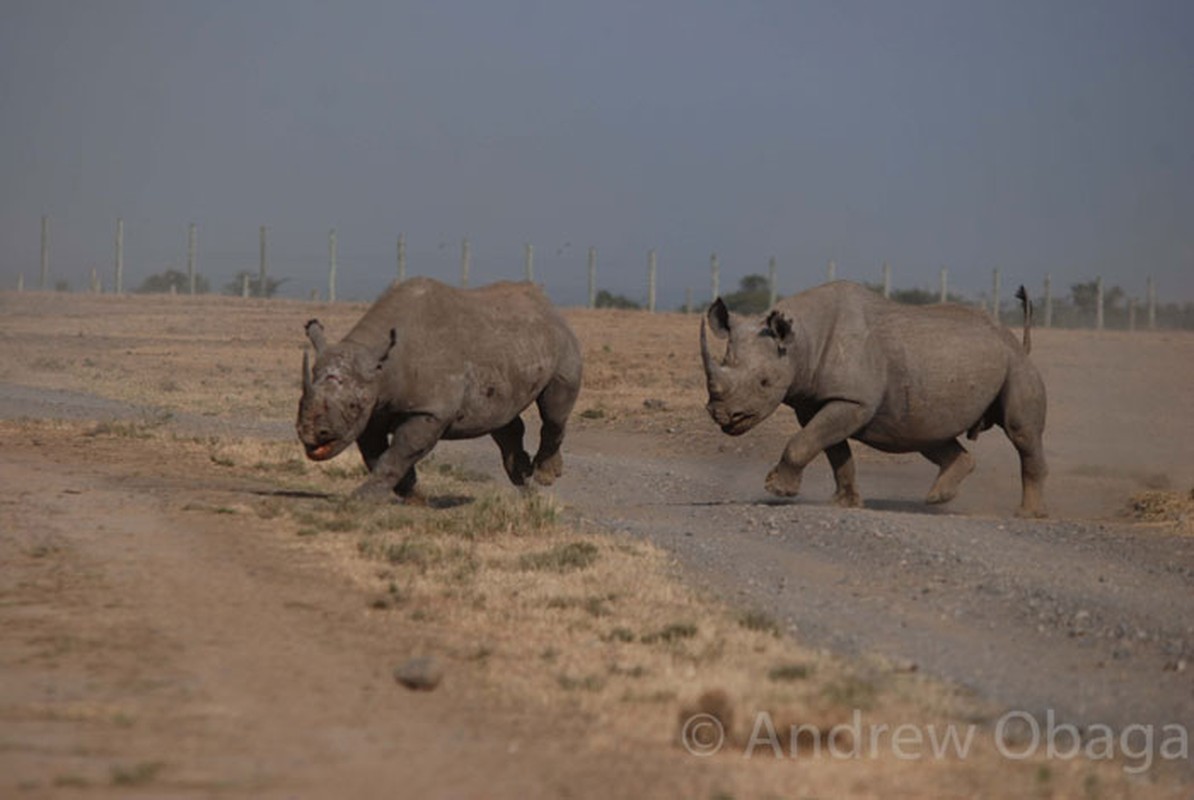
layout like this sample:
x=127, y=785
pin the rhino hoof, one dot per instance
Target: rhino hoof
x=518, y=469
x=1031, y=513
x=847, y=499
x=374, y=493
x=415, y=499
x=783, y=482
x=548, y=470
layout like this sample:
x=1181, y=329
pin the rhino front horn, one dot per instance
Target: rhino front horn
x=711, y=366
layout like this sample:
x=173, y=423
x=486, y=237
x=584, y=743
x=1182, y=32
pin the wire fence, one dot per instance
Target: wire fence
x=1087, y=304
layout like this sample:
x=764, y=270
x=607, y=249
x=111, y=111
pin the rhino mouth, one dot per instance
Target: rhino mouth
x=323, y=451
x=740, y=423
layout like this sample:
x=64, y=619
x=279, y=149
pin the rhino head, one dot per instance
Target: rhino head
x=754, y=376
x=339, y=394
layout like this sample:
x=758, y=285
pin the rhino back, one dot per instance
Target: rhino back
x=481, y=354
x=930, y=371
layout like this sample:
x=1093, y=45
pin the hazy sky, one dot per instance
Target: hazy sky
x=1041, y=136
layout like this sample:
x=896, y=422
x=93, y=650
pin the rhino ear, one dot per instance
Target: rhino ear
x=780, y=327
x=719, y=318
x=315, y=334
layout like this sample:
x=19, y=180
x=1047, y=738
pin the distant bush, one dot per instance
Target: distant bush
x=234, y=286
x=172, y=279
x=605, y=299
x=917, y=297
x=753, y=296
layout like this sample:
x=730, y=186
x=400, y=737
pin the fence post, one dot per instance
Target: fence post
x=119, y=255
x=831, y=271
x=1132, y=313
x=44, y=280
x=886, y=279
x=1152, y=304
x=332, y=265
x=191, y=257
x=244, y=284
x=651, y=280
x=944, y=297
x=995, y=294
x=21, y=282
x=1099, y=303
x=715, y=278
x=401, y=257
x=529, y=266
x=592, y=277
x=94, y=281
x=465, y=257
x=772, y=291
x=688, y=300
x=1048, y=301
x=261, y=268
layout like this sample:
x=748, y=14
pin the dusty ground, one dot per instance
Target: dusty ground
x=165, y=628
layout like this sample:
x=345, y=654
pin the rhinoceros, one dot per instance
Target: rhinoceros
x=854, y=365
x=428, y=362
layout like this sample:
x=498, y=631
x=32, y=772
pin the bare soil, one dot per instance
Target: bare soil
x=166, y=631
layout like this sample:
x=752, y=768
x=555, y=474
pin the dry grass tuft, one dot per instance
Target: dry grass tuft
x=1164, y=506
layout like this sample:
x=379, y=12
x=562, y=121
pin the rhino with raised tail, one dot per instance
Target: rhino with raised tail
x=428, y=362
x=853, y=365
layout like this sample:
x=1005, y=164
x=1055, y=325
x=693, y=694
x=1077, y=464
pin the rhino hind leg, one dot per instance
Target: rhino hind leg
x=1022, y=403
x=955, y=464
x=1024, y=423
x=514, y=458
x=555, y=404
x=1032, y=475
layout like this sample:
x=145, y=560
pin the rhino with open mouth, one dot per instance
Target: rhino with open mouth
x=853, y=365
x=428, y=362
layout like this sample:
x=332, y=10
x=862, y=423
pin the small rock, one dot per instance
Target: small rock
x=420, y=674
x=654, y=404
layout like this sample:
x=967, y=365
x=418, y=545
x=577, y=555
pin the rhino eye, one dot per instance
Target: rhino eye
x=765, y=382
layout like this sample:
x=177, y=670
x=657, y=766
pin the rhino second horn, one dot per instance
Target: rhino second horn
x=306, y=373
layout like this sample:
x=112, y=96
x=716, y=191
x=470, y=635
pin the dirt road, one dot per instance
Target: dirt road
x=1092, y=618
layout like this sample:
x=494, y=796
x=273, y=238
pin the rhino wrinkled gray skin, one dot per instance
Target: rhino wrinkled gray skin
x=854, y=365
x=428, y=362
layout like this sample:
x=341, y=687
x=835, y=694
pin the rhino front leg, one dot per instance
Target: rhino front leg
x=514, y=458
x=830, y=426
x=372, y=442
x=393, y=472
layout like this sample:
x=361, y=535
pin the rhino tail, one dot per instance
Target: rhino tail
x=1026, y=304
